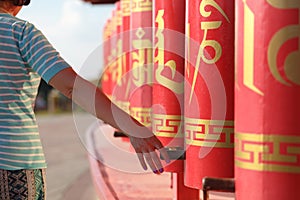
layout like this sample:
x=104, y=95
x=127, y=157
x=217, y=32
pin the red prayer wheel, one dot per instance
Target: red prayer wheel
x=267, y=139
x=116, y=65
x=106, y=35
x=121, y=89
x=209, y=91
x=125, y=7
x=141, y=61
x=119, y=70
x=111, y=58
x=106, y=75
x=168, y=75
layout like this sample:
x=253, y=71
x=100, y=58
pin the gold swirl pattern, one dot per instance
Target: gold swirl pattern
x=143, y=115
x=209, y=133
x=125, y=7
x=273, y=153
x=141, y=5
x=167, y=125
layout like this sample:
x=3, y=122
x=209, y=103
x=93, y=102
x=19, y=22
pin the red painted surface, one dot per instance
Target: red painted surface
x=168, y=75
x=125, y=36
x=180, y=191
x=140, y=95
x=267, y=100
x=209, y=91
x=106, y=75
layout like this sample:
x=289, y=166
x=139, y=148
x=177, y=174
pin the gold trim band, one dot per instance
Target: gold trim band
x=167, y=125
x=209, y=133
x=273, y=153
x=124, y=105
x=141, y=5
x=125, y=7
x=143, y=115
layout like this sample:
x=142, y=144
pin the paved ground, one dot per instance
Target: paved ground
x=69, y=164
x=68, y=174
x=120, y=176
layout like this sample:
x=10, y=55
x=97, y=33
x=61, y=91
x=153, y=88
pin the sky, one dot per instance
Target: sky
x=74, y=28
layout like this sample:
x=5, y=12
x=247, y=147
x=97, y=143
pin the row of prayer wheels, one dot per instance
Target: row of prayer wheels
x=218, y=79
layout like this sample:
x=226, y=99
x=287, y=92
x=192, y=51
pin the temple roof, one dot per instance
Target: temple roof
x=101, y=1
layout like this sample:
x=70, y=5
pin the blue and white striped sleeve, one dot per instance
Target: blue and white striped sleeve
x=39, y=54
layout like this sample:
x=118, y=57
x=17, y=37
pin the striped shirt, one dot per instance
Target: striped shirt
x=25, y=57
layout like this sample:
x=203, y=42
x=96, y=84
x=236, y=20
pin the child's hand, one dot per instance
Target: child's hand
x=145, y=149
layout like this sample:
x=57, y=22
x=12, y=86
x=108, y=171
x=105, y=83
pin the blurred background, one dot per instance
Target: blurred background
x=74, y=28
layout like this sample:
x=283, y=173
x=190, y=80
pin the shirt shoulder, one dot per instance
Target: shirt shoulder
x=18, y=28
x=9, y=21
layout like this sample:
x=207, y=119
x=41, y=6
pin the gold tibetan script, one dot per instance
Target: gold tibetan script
x=174, y=86
x=116, y=66
x=206, y=27
x=292, y=62
x=248, y=76
x=141, y=58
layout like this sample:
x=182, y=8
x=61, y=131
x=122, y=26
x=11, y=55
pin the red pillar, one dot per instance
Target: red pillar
x=209, y=126
x=168, y=75
x=181, y=191
x=110, y=44
x=168, y=86
x=141, y=61
x=117, y=65
x=267, y=153
x=122, y=88
x=105, y=76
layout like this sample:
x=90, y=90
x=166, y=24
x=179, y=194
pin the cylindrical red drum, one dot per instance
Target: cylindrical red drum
x=141, y=61
x=168, y=75
x=116, y=65
x=267, y=140
x=209, y=91
x=105, y=76
x=108, y=79
x=118, y=70
x=121, y=91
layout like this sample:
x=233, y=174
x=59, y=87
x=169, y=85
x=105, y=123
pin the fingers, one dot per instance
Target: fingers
x=158, y=145
x=142, y=161
x=154, y=162
x=150, y=162
x=157, y=162
x=164, y=154
x=146, y=152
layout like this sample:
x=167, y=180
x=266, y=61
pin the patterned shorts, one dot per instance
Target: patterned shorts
x=25, y=184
